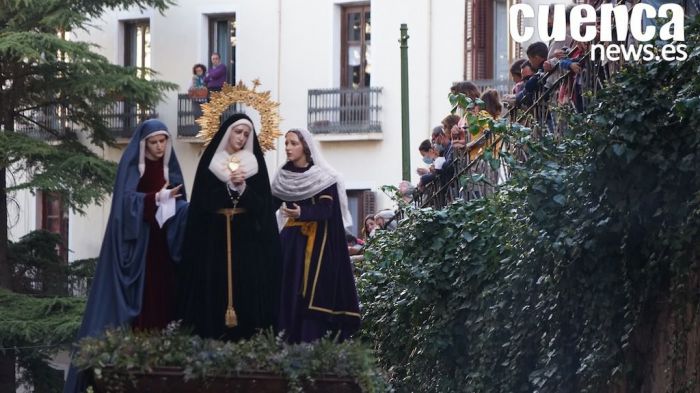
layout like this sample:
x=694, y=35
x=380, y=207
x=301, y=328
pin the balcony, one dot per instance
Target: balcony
x=345, y=113
x=187, y=113
x=121, y=119
x=37, y=122
x=503, y=86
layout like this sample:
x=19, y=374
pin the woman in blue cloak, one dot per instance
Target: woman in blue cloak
x=134, y=281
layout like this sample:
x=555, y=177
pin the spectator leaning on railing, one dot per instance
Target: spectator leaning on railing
x=570, y=90
x=516, y=76
x=451, y=125
x=467, y=88
x=537, y=55
x=198, y=90
x=431, y=158
x=386, y=220
x=491, y=109
x=216, y=77
x=526, y=72
x=442, y=142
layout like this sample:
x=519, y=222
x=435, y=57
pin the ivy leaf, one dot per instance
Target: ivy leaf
x=618, y=149
x=468, y=237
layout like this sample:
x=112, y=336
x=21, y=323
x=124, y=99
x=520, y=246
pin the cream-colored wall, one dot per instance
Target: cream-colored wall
x=293, y=46
x=309, y=60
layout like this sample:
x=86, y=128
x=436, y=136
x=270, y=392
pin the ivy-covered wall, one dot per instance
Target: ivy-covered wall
x=578, y=276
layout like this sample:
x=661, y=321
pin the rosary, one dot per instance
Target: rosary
x=233, y=196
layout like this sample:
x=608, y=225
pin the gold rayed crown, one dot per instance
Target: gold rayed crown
x=210, y=121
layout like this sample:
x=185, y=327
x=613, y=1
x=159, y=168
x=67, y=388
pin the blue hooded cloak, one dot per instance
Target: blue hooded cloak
x=116, y=294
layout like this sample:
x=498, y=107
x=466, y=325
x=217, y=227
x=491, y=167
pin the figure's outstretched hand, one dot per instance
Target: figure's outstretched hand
x=175, y=191
x=291, y=213
x=166, y=193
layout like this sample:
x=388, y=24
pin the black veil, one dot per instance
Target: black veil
x=202, y=292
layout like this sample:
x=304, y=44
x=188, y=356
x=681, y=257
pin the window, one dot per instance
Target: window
x=137, y=45
x=482, y=45
x=356, y=62
x=123, y=117
x=54, y=218
x=487, y=52
x=222, y=40
x=360, y=204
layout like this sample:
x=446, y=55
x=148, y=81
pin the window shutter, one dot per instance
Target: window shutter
x=483, y=46
x=468, y=40
x=368, y=202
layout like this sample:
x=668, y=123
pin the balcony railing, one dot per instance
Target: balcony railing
x=51, y=122
x=122, y=117
x=46, y=123
x=503, y=86
x=343, y=111
x=188, y=111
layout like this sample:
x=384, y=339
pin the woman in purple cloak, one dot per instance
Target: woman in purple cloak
x=318, y=287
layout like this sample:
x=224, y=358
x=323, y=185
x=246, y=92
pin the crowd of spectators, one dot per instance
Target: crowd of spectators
x=549, y=81
x=553, y=69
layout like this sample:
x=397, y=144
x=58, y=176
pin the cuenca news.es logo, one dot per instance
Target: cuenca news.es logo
x=606, y=32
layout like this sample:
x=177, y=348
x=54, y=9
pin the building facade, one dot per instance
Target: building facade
x=333, y=65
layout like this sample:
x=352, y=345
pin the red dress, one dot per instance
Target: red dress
x=158, y=305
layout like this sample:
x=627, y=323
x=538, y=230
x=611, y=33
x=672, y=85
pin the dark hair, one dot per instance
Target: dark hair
x=437, y=130
x=492, y=103
x=525, y=64
x=516, y=66
x=307, y=150
x=216, y=53
x=538, y=48
x=202, y=66
x=450, y=121
x=467, y=88
x=424, y=146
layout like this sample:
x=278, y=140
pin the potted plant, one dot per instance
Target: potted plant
x=176, y=362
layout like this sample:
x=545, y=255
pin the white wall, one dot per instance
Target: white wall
x=293, y=46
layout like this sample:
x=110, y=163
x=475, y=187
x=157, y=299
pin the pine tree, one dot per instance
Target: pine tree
x=41, y=72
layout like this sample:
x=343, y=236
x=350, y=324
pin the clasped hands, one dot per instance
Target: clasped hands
x=291, y=213
x=237, y=177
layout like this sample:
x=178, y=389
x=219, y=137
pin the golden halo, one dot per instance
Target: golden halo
x=210, y=121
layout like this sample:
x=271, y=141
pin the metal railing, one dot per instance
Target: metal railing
x=52, y=122
x=46, y=123
x=188, y=110
x=122, y=117
x=468, y=179
x=344, y=110
x=503, y=86
x=475, y=179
